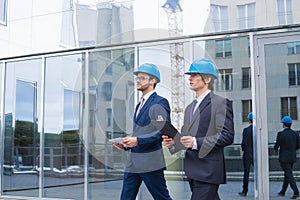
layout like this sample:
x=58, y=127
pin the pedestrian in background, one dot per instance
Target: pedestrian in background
x=207, y=129
x=287, y=142
x=146, y=161
x=247, y=148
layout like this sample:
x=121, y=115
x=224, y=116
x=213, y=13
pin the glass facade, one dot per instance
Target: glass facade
x=60, y=110
x=64, y=95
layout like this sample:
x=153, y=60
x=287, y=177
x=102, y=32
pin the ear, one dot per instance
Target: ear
x=153, y=81
x=207, y=79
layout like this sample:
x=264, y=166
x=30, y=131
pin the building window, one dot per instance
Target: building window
x=223, y=48
x=246, y=109
x=246, y=79
x=284, y=9
x=293, y=47
x=108, y=117
x=71, y=110
x=289, y=107
x=220, y=17
x=108, y=69
x=225, y=80
x=107, y=91
x=246, y=15
x=3, y=12
x=294, y=74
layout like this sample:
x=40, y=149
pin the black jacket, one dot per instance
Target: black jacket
x=287, y=142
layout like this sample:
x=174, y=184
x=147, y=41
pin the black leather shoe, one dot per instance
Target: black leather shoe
x=243, y=194
x=281, y=194
x=295, y=196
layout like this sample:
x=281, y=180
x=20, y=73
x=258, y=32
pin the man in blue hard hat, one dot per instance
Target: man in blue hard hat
x=146, y=162
x=247, y=148
x=287, y=141
x=208, y=128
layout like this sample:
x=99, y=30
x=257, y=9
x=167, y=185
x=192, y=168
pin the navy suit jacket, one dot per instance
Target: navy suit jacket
x=247, y=142
x=148, y=155
x=212, y=126
x=287, y=142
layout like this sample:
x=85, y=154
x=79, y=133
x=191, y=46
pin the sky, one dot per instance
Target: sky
x=150, y=14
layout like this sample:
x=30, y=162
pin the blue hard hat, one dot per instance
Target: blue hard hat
x=250, y=116
x=287, y=119
x=150, y=69
x=203, y=66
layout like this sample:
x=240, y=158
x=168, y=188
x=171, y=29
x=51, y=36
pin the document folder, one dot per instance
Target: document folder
x=165, y=127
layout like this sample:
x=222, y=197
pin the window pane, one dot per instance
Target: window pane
x=3, y=11
x=242, y=17
x=22, y=127
x=291, y=49
x=71, y=110
x=298, y=47
x=108, y=116
x=225, y=80
x=246, y=108
x=107, y=90
x=227, y=44
x=292, y=74
x=280, y=9
x=216, y=17
x=289, y=13
x=293, y=108
x=219, y=48
x=298, y=73
x=284, y=107
x=251, y=15
x=224, y=18
x=246, y=79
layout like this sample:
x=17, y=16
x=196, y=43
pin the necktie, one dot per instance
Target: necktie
x=192, y=109
x=140, y=107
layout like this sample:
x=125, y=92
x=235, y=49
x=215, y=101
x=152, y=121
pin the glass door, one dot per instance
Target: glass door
x=277, y=86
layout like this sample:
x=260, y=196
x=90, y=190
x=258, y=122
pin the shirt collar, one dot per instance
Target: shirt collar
x=202, y=96
x=146, y=96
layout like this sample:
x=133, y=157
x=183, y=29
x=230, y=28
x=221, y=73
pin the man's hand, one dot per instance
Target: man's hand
x=168, y=142
x=130, y=141
x=118, y=145
x=187, y=141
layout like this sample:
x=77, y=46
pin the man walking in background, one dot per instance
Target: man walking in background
x=247, y=148
x=287, y=142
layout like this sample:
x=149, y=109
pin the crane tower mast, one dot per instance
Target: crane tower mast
x=174, y=13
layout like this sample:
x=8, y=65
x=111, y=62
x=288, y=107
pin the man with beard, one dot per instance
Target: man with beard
x=146, y=161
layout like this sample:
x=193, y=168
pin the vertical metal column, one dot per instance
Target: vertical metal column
x=86, y=127
x=258, y=92
x=2, y=125
x=42, y=138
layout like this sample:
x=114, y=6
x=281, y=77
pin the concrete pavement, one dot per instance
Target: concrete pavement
x=178, y=187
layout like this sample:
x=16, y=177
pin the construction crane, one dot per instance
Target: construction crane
x=174, y=13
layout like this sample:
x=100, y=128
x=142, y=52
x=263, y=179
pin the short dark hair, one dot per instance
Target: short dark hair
x=212, y=80
x=156, y=80
x=287, y=124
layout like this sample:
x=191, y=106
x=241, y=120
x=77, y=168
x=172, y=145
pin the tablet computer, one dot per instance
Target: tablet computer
x=165, y=127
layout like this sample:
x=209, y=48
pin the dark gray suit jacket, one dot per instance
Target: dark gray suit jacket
x=213, y=127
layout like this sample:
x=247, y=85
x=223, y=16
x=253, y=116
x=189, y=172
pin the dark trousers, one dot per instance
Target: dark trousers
x=247, y=162
x=288, y=178
x=203, y=191
x=154, y=181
